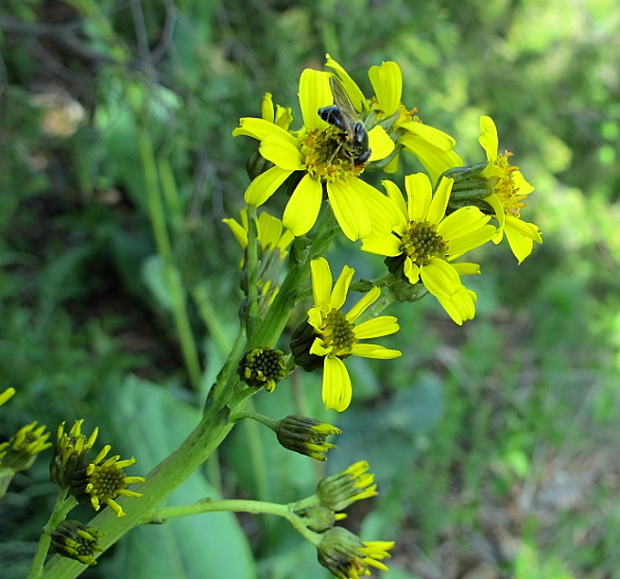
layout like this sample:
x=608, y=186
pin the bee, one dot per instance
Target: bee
x=343, y=116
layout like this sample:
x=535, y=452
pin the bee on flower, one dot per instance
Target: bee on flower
x=432, y=147
x=326, y=162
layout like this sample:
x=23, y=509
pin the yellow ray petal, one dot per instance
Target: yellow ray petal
x=302, y=209
x=337, y=391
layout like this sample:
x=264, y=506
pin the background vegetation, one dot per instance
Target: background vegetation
x=494, y=445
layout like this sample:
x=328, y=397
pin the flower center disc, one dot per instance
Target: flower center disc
x=328, y=155
x=338, y=334
x=422, y=242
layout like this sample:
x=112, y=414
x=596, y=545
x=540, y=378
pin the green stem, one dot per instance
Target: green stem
x=164, y=248
x=59, y=513
x=268, y=422
x=210, y=506
x=174, y=207
x=302, y=252
x=375, y=309
x=227, y=397
x=162, y=480
x=252, y=263
x=237, y=506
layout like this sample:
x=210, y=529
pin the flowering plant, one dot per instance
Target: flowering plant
x=323, y=162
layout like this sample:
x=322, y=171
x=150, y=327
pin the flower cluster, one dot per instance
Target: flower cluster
x=91, y=482
x=422, y=229
x=339, y=550
x=21, y=450
x=422, y=234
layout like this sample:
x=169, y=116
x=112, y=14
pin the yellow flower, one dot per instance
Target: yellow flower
x=100, y=481
x=271, y=236
x=421, y=242
x=104, y=480
x=511, y=192
x=432, y=147
x=319, y=152
x=329, y=336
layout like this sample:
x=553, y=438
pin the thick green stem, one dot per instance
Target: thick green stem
x=162, y=480
x=227, y=396
x=61, y=509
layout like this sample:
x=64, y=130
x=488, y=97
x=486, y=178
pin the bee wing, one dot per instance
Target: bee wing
x=341, y=99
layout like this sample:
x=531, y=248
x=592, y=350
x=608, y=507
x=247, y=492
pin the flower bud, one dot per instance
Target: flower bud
x=262, y=367
x=348, y=557
x=70, y=453
x=77, y=541
x=21, y=450
x=306, y=436
x=301, y=341
x=338, y=491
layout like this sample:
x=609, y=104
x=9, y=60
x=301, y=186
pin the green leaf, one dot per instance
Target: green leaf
x=209, y=546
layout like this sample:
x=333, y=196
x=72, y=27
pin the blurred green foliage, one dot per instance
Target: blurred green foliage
x=493, y=445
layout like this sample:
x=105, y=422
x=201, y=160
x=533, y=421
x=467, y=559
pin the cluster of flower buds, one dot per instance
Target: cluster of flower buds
x=339, y=550
x=94, y=481
x=22, y=449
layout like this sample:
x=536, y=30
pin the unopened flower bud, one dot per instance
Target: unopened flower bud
x=70, y=453
x=77, y=541
x=301, y=341
x=306, y=436
x=348, y=557
x=262, y=368
x=319, y=518
x=21, y=450
x=338, y=491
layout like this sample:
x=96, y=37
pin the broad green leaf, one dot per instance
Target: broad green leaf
x=209, y=546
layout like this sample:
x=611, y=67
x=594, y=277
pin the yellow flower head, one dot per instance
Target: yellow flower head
x=320, y=153
x=272, y=236
x=331, y=335
x=511, y=191
x=104, y=480
x=421, y=241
